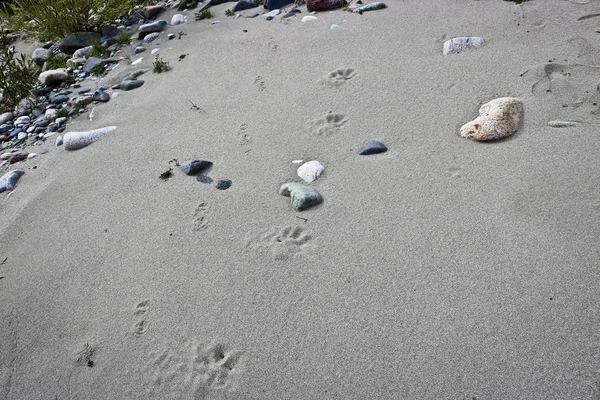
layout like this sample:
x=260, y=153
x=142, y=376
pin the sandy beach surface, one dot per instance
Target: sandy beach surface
x=442, y=269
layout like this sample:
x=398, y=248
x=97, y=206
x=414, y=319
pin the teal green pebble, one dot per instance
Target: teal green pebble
x=302, y=196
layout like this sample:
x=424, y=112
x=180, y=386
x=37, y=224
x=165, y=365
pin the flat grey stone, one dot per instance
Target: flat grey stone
x=302, y=196
x=193, y=167
x=131, y=84
x=155, y=26
x=53, y=76
x=40, y=56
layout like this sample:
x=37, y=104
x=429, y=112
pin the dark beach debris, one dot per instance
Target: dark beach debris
x=223, y=184
x=204, y=178
x=167, y=174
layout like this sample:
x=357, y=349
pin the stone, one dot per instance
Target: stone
x=151, y=37
x=5, y=156
x=77, y=40
x=369, y=7
x=178, y=19
x=193, y=167
x=7, y=116
x=171, y=36
x=59, y=141
x=131, y=84
x=310, y=171
x=244, y=5
x=324, y=5
x=456, y=45
x=276, y=4
x=40, y=56
x=75, y=62
x=497, y=119
x=59, y=99
x=31, y=155
x=373, y=147
x=22, y=135
x=84, y=51
x=270, y=15
x=223, y=184
x=24, y=120
x=563, y=124
x=53, y=76
x=204, y=178
x=81, y=101
x=155, y=26
x=78, y=140
x=84, y=91
x=91, y=62
x=103, y=87
x=139, y=50
x=15, y=158
x=291, y=13
x=308, y=18
x=100, y=95
x=109, y=31
x=9, y=180
x=302, y=197
x=4, y=138
x=149, y=12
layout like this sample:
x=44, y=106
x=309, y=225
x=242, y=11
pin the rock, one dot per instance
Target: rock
x=151, y=37
x=91, y=62
x=563, y=124
x=244, y=5
x=78, y=140
x=369, y=7
x=171, y=36
x=336, y=27
x=291, y=13
x=84, y=91
x=59, y=141
x=223, y=184
x=24, y=120
x=193, y=167
x=150, y=12
x=40, y=56
x=139, y=50
x=77, y=40
x=276, y=4
x=373, y=147
x=497, y=119
x=324, y=5
x=131, y=84
x=5, y=156
x=155, y=26
x=75, y=62
x=109, y=31
x=178, y=19
x=456, y=45
x=81, y=101
x=22, y=135
x=309, y=18
x=100, y=95
x=310, y=171
x=31, y=155
x=59, y=99
x=4, y=138
x=53, y=76
x=7, y=116
x=204, y=178
x=81, y=53
x=15, y=158
x=302, y=196
x=270, y=15
x=9, y=180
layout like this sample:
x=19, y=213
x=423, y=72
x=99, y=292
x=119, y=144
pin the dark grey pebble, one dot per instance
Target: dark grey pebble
x=244, y=5
x=99, y=95
x=43, y=123
x=103, y=87
x=131, y=84
x=204, y=178
x=61, y=98
x=292, y=12
x=251, y=16
x=373, y=147
x=9, y=180
x=193, y=167
x=275, y=4
x=223, y=184
x=117, y=86
x=84, y=91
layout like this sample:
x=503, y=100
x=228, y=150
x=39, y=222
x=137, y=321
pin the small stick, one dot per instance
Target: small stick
x=304, y=219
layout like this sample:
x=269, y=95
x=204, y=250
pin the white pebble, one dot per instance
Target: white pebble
x=139, y=60
x=154, y=51
x=59, y=141
x=31, y=155
x=297, y=162
x=5, y=156
x=78, y=140
x=310, y=171
x=309, y=18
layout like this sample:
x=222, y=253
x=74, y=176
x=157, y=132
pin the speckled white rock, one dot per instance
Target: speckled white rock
x=456, y=45
x=497, y=119
x=51, y=114
x=53, y=76
x=310, y=171
x=78, y=140
x=59, y=141
x=178, y=19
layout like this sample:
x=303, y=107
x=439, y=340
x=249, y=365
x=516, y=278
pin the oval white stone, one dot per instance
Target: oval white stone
x=310, y=171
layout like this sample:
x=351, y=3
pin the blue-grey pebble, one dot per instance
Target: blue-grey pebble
x=193, y=167
x=103, y=87
x=223, y=184
x=302, y=196
x=204, y=178
x=373, y=147
x=59, y=99
x=9, y=180
x=99, y=95
x=43, y=123
x=131, y=84
x=117, y=86
x=84, y=91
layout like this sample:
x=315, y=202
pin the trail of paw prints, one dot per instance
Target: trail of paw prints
x=199, y=221
x=259, y=81
x=339, y=76
x=243, y=135
x=281, y=244
x=327, y=125
x=141, y=325
x=192, y=370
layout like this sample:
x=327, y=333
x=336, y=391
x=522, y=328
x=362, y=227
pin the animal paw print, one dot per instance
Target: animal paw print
x=217, y=363
x=141, y=326
x=199, y=221
x=282, y=244
x=272, y=45
x=455, y=171
x=260, y=83
x=339, y=76
x=244, y=136
x=327, y=125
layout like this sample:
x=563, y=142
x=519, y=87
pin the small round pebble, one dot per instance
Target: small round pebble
x=223, y=184
x=204, y=179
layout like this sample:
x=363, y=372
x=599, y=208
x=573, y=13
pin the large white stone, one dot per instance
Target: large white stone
x=78, y=140
x=456, y=45
x=310, y=171
x=53, y=76
x=497, y=119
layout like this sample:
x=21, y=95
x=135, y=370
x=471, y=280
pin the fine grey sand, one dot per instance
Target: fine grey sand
x=441, y=269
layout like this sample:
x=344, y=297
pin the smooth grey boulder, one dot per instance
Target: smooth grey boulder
x=78, y=140
x=244, y=5
x=302, y=196
x=77, y=40
x=7, y=116
x=53, y=76
x=130, y=84
x=155, y=26
x=84, y=51
x=9, y=180
x=456, y=45
x=40, y=56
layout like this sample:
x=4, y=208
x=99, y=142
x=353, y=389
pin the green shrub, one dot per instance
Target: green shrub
x=56, y=61
x=206, y=14
x=55, y=19
x=123, y=38
x=18, y=75
x=98, y=69
x=229, y=12
x=160, y=65
x=188, y=4
x=98, y=50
